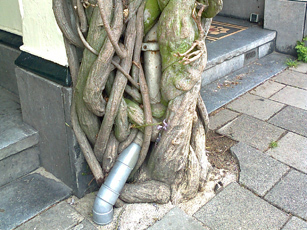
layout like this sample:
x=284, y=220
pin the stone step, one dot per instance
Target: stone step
x=28, y=196
x=239, y=43
x=19, y=153
x=220, y=92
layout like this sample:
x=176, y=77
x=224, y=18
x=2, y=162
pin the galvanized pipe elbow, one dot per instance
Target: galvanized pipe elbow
x=114, y=183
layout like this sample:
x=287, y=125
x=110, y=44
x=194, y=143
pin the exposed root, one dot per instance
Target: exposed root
x=82, y=17
x=203, y=114
x=149, y=191
x=86, y=147
x=148, y=121
x=116, y=93
x=121, y=53
x=60, y=9
x=128, y=141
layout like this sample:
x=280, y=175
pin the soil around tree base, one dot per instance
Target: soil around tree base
x=218, y=151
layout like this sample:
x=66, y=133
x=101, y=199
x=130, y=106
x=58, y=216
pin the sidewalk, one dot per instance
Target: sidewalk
x=270, y=125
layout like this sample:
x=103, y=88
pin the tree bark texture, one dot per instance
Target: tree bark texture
x=115, y=103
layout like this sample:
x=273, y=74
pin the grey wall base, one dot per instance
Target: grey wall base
x=288, y=18
x=46, y=107
x=7, y=67
x=242, y=8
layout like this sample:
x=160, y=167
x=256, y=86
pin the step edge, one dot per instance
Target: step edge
x=271, y=35
x=31, y=167
x=20, y=145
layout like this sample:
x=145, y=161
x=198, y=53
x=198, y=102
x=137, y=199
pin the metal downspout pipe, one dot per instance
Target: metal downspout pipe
x=110, y=190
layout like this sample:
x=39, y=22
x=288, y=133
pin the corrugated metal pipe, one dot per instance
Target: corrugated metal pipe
x=110, y=190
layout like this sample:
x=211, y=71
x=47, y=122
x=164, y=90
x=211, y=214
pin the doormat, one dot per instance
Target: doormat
x=219, y=30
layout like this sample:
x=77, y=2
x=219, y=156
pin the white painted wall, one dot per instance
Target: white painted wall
x=41, y=35
x=10, y=17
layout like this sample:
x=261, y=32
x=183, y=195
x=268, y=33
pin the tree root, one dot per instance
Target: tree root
x=116, y=93
x=85, y=147
x=62, y=17
x=203, y=114
x=122, y=129
x=128, y=141
x=109, y=157
x=148, y=121
x=101, y=68
x=121, y=53
x=149, y=191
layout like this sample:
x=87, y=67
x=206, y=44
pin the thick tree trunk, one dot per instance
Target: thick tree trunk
x=111, y=109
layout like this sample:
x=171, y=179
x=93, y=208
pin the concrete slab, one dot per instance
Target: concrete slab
x=255, y=106
x=18, y=165
x=290, y=194
x=237, y=44
x=295, y=223
x=221, y=118
x=61, y=216
x=291, y=150
x=256, y=169
x=302, y=67
x=292, y=78
x=84, y=225
x=177, y=219
x=237, y=208
x=266, y=49
x=298, y=97
x=267, y=89
x=251, y=131
x=292, y=119
x=26, y=197
x=15, y=135
x=225, y=90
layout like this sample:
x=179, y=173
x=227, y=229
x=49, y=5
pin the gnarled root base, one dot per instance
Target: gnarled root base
x=178, y=166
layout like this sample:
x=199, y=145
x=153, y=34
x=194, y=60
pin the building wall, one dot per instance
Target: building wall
x=35, y=22
x=243, y=8
x=10, y=17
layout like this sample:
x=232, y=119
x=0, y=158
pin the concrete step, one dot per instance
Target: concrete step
x=239, y=43
x=19, y=153
x=28, y=196
x=222, y=91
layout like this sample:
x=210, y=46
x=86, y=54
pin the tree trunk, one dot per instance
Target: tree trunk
x=113, y=106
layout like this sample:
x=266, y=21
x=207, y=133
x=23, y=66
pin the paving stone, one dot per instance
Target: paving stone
x=237, y=208
x=267, y=89
x=290, y=194
x=302, y=67
x=84, y=225
x=292, y=119
x=292, y=78
x=251, y=131
x=255, y=106
x=256, y=169
x=221, y=118
x=26, y=197
x=298, y=97
x=61, y=216
x=291, y=150
x=295, y=224
x=177, y=219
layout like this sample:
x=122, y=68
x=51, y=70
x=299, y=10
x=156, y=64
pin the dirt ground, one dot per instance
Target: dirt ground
x=218, y=152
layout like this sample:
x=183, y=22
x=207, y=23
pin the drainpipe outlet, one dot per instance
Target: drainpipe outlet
x=114, y=183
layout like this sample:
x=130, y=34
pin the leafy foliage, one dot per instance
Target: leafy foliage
x=301, y=50
x=292, y=63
